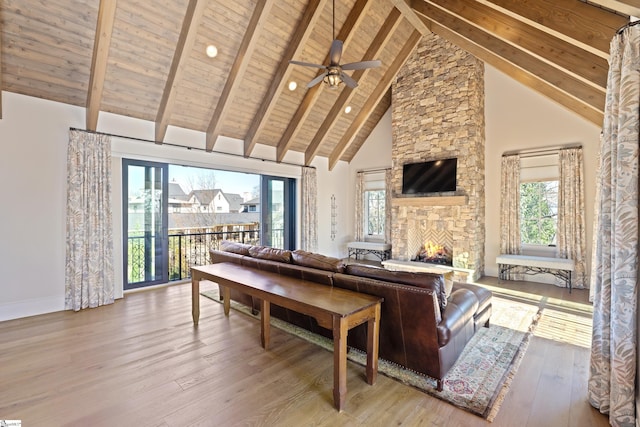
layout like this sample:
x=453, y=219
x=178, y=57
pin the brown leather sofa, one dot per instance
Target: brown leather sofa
x=422, y=326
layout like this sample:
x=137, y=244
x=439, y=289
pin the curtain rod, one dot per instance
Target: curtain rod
x=374, y=170
x=191, y=148
x=540, y=151
x=624, y=27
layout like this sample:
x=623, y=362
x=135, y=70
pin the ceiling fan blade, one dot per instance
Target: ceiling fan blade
x=306, y=64
x=349, y=81
x=336, y=52
x=361, y=65
x=316, y=80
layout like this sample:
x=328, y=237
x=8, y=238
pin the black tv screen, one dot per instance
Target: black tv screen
x=436, y=176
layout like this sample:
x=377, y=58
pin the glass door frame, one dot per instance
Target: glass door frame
x=161, y=253
x=289, y=210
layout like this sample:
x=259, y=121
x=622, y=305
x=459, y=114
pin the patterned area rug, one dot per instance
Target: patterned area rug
x=479, y=380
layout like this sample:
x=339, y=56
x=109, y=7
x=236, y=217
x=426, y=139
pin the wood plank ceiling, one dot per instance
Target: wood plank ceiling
x=146, y=59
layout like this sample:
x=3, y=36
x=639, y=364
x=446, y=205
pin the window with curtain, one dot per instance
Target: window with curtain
x=539, y=180
x=539, y=213
x=374, y=206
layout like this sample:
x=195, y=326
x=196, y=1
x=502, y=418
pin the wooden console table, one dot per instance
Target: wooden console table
x=334, y=308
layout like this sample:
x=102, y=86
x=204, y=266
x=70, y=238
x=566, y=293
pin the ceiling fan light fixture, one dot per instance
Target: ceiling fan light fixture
x=332, y=78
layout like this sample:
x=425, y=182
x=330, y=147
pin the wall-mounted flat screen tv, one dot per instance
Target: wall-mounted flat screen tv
x=437, y=176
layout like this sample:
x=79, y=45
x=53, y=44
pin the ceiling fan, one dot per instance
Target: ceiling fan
x=334, y=75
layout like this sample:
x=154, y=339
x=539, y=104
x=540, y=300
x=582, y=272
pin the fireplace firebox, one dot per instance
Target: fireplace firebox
x=434, y=253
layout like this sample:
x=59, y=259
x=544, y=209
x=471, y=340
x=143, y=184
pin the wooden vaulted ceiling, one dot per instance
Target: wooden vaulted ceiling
x=146, y=59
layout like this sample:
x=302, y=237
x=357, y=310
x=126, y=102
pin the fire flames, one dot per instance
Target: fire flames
x=433, y=252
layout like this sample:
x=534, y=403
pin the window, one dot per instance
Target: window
x=539, y=179
x=374, y=212
x=539, y=212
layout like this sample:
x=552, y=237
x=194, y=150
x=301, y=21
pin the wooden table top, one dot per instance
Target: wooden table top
x=337, y=301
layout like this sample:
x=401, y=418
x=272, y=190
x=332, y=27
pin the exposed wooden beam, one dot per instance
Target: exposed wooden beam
x=527, y=78
x=574, y=21
x=410, y=15
x=627, y=7
x=380, y=40
x=358, y=12
x=295, y=46
x=576, y=88
x=190, y=24
x=374, y=99
x=240, y=64
x=557, y=52
x=101, y=43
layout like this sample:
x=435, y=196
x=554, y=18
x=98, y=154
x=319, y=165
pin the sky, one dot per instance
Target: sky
x=193, y=178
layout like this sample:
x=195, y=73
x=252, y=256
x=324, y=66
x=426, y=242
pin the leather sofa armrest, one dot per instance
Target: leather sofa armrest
x=461, y=307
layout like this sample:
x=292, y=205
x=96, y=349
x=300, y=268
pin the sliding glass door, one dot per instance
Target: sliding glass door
x=145, y=201
x=174, y=215
x=278, y=215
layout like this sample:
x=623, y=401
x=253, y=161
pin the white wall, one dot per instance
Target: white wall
x=33, y=145
x=518, y=118
x=33, y=142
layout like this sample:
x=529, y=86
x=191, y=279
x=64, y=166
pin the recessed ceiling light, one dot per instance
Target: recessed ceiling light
x=212, y=51
x=347, y=109
x=293, y=85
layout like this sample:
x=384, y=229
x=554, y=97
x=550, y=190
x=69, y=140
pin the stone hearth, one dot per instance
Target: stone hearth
x=437, y=113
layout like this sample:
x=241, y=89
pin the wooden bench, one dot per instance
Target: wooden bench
x=334, y=308
x=380, y=250
x=558, y=267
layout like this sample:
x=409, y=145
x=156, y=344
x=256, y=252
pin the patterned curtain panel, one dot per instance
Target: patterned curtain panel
x=571, y=223
x=89, y=273
x=309, y=238
x=387, y=205
x=358, y=232
x=510, y=210
x=612, y=379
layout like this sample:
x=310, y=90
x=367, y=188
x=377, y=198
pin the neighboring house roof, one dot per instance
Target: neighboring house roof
x=235, y=201
x=176, y=192
x=204, y=197
x=254, y=201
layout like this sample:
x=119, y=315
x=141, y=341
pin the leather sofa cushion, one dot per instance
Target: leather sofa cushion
x=235, y=247
x=483, y=294
x=434, y=282
x=313, y=260
x=459, y=313
x=222, y=256
x=272, y=254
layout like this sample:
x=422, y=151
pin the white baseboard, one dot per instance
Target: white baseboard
x=31, y=307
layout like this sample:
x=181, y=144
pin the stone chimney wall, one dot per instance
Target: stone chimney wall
x=438, y=113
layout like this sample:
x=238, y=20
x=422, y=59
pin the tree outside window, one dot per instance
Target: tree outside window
x=539, y=212
x=374, y=202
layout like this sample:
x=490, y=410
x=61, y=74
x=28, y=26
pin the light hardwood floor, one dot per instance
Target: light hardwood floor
x=140, y=362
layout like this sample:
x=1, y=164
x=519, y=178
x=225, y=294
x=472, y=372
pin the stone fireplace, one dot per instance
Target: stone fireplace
x=437, y=113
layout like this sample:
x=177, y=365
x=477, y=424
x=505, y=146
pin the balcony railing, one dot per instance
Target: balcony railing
x=187, y=250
